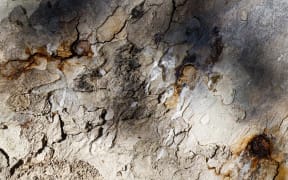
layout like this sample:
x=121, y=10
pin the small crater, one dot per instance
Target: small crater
x=82, y=48
x=259, y=146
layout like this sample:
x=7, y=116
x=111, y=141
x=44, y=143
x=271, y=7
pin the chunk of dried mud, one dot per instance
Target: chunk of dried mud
x=56, y=169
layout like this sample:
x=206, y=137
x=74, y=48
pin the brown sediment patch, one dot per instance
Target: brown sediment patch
x=14, y=68
x=186, y=76
x=173, y=100
x=64, y=50
x=282, y=173
x=26, y=124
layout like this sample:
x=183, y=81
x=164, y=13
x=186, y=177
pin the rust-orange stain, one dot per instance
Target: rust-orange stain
x=13, y=69
x=240, y=146
x=64, y=50
x=186, y=76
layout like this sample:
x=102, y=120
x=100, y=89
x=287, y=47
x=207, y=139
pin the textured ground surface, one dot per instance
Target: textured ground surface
x=153, y=89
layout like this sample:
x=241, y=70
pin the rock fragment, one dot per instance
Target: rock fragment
x=54, y=130
x=112, y=26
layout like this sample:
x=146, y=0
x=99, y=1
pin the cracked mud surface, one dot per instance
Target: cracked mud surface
x=163, y=89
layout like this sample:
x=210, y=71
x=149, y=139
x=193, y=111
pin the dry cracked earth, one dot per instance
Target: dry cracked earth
x=143, y=89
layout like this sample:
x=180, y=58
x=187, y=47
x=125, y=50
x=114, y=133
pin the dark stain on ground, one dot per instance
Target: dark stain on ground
x=259, y=146
x=14, y=68
x=264, y=85
x=87, y=81
x=216, y=46
x=82, y=84
x=250, y=59
x=138, y=11
x=52, y=14
x=158, y=37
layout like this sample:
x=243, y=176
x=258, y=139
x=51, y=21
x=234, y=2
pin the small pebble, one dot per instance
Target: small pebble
x=243, y=16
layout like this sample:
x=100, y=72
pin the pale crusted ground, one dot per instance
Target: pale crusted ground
x=153, y=89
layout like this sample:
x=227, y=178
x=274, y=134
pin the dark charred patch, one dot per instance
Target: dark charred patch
x=259, y=146
x=250, y=59
x=216, y=46
x=137, y=12
x=191, y=31
x=49, y=5
x=158, y=37
x=129, y=104
x=52, y=14
x=128, y=59
x=82, y=84
x=87, y=81
x=190, y=59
